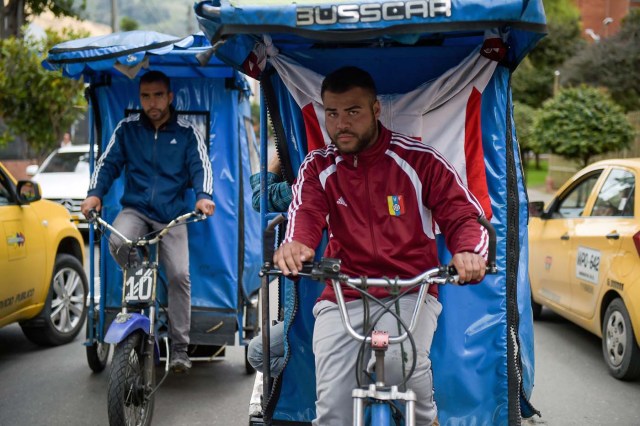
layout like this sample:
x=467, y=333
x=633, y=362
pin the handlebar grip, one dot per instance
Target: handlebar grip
x=268, y=240
x=92, y=215
x=492, y=268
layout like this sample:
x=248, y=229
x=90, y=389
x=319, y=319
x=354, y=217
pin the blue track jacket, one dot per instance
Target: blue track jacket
x=159, y=166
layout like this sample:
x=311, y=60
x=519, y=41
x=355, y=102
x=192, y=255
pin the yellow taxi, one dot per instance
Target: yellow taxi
x=584, y=258
x=43, y=285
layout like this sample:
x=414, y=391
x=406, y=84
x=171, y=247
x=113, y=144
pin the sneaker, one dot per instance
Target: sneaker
x=255, y=404
x=180, y=362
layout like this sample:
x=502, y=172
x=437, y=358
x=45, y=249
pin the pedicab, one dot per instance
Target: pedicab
x=224, y=250
x=443, y=71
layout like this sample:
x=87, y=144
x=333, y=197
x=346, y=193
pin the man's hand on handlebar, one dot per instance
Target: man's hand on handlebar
x=90, y=203
x=206, y=206
x=470, y=266
x=290, y=256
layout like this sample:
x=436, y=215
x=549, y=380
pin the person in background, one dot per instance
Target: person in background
x=66, y=140
x=279, y=191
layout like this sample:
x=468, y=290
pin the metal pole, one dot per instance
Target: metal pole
x=556, y=82
x=114, y=15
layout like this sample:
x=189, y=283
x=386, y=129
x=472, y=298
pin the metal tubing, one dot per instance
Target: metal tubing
x=266, y=343
x=410, y=415
x=346, y=321
x=379, y=368
x=358, y=411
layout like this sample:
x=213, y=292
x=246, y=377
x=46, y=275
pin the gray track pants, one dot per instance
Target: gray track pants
x=174, y=257
x=336, y=353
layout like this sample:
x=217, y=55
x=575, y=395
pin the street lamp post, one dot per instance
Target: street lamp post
x=556, y=82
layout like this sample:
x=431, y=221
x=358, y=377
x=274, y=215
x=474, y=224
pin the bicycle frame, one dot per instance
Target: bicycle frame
x=139, y=285
x=380, y=341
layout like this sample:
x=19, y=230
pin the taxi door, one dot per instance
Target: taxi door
x=553, y=257
x=598, y=240
x=22, y=251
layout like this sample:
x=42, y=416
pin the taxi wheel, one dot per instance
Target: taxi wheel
x=65, y=307
x=619, y=345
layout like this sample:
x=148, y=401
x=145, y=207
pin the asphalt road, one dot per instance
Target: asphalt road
x=54, y=386
x=572, y=385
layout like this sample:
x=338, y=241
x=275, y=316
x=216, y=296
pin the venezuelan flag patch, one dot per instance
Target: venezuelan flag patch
x=396, y=205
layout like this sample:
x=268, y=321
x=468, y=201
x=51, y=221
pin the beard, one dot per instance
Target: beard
x=361, y=142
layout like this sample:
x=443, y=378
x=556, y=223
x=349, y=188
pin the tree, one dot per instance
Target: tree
x=582, y=122
x=36, y=104
x=128, y=24
x=533, y=81
x=14, y=13
x=524, y=117
x=613, y=63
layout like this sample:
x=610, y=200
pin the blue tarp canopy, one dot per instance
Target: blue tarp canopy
x=128, y=52
x=483, y=349
x=224, y=250
x=293, y=25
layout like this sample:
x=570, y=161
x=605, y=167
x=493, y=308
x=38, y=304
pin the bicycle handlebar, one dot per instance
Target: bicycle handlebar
x=93, y=217
x=329, y=269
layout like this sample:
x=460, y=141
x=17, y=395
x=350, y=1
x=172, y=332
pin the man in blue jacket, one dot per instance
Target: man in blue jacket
x=161, y=155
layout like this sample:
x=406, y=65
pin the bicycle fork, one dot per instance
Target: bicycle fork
x=380, y=409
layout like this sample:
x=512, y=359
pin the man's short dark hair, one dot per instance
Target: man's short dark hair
x=156, y=77
x=347, y=78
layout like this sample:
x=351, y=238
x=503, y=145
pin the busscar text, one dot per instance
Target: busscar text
x=372, y=12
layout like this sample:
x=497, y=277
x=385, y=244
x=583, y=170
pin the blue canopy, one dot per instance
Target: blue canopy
x=127, y=53
x=483, y=349
x=301, y=24
x=224, y=250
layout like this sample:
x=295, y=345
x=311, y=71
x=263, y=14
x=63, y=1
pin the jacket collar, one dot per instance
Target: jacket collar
x=372, y=154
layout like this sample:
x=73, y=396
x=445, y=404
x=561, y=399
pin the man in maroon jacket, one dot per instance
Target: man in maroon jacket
x=383, y=197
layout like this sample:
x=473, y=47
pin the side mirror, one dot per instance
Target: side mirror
x=536, y=209
x=28, y=191
x=32, y=169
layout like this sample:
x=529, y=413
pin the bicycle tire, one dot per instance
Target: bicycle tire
x=127, y=396
x=97, y=356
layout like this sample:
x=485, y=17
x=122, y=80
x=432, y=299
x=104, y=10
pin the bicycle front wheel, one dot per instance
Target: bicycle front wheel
x=130, y=401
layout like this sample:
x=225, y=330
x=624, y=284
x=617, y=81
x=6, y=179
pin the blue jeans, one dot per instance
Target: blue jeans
x=255, y=351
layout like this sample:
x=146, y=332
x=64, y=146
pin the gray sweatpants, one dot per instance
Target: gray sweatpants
x=174, y=257
x=336, y=354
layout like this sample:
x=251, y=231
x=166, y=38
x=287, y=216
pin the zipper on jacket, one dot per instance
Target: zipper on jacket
x=355, y=160
x=155, y=169
x=373, y=237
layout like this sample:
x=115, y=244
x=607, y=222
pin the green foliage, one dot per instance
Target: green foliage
x=561, y=10
x=16, y=11
x=128, y=24
x=613, y=63
x=532, y=82
x=36, y=104
x=536, y=177
x=581, y=122
x=524, y=116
